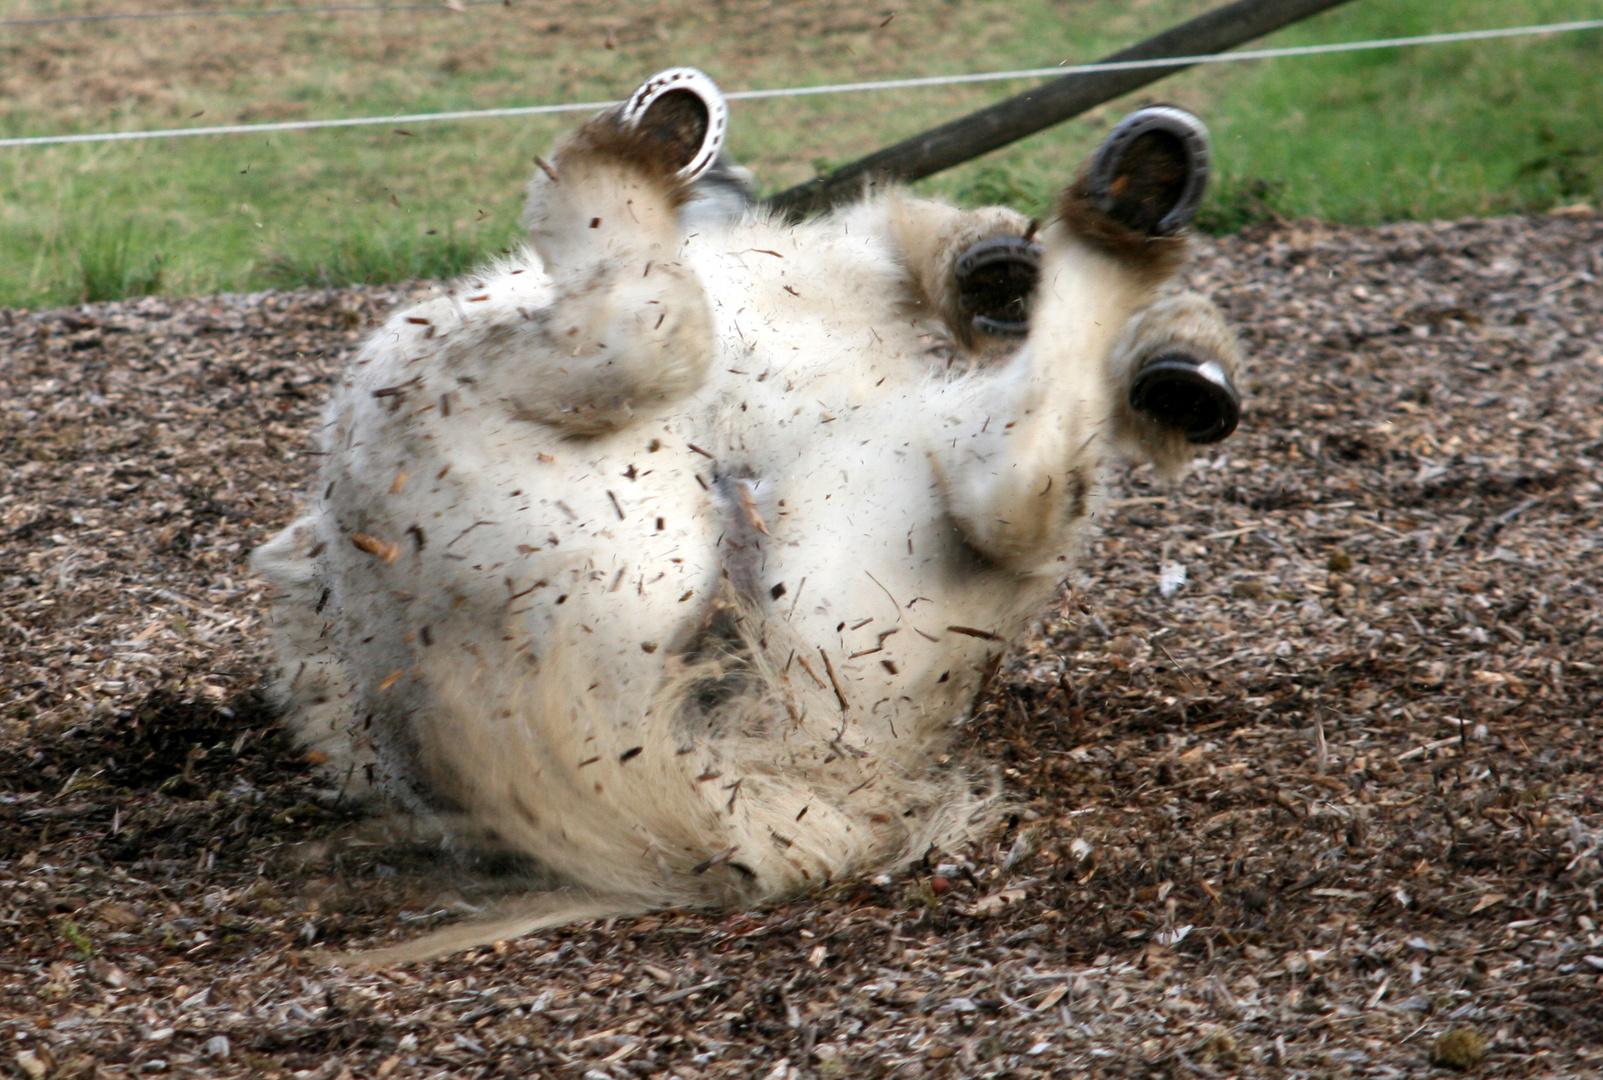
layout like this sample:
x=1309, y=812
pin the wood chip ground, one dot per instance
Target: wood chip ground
x=1332, y=801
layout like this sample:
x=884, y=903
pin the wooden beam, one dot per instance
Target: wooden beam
x=1052, y=103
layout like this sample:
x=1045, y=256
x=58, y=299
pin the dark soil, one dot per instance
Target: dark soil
x=1331, y=808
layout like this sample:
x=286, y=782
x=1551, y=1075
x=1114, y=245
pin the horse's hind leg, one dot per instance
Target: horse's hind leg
x=628, y=326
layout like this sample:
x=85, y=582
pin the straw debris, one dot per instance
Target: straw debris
x=1349, y=811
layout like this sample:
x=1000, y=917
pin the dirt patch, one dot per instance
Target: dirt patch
x=1333, y=799
x=75, y=72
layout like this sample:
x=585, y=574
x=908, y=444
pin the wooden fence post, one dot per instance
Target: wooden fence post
x=1052, y=103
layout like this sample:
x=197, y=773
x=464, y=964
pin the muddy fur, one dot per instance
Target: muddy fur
x=1156, y=257
x=654, y=156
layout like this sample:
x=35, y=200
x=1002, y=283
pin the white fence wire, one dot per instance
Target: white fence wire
x=832, y=88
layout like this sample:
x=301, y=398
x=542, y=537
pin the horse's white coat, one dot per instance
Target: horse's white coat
x=673, y=560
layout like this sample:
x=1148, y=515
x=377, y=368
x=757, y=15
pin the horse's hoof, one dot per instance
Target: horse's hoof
x=683, y=109
x=995, y=279
x=1150, y=172
x=1195, y=396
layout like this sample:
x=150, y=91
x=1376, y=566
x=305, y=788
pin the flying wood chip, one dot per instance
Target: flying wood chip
x=374, y=546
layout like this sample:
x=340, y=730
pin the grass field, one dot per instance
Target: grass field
x=1442, y=131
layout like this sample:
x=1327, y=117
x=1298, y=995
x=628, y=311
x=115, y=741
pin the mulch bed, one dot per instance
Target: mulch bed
x=1332, y=808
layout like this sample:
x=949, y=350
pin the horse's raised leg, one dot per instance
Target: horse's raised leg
x=1019, y=453
x=1173, y=380
x=624, y=325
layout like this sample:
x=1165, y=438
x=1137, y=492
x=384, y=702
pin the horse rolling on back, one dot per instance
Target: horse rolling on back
x=671, y=550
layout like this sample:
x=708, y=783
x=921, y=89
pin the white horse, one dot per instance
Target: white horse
x=671, y=551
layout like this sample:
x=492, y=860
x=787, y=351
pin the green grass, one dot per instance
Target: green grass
x=1421, y=133
x=368, y=252
x=1429, y=132
x=112, y=261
